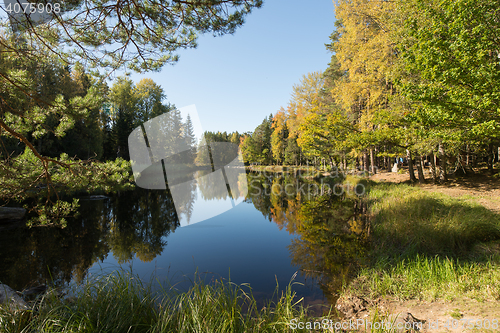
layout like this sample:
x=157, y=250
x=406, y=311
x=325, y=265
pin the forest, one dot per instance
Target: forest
x=413, y=79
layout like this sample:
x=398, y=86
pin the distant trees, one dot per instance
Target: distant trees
x=233, y=137
x=256, y=147
x=130, y=106
x=202, y=157
x=190, y=139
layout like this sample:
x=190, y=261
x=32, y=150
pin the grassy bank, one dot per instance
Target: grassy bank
x=122, y=303
x=428, y=245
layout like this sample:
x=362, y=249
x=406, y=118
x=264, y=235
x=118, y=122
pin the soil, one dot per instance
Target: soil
x=465, y=315
x=440, y=315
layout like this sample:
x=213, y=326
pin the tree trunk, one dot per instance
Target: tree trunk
x=433, y=168
x=421, y=178
x=410, y=166
x=372, y=161
x=365, y=161
x=443, y=172
x=491, y=158
x=467, y=156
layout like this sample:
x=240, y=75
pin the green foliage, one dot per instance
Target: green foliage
x=325, y=134
x=26, y=178
x=292, y=152
x=141, y=36
x=456, y=58
x=279, y=137
x=132, y=105
x=450, y=70
x=257, y=148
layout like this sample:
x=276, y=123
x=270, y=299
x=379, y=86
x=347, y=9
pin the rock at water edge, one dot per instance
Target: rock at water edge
x=8, y=297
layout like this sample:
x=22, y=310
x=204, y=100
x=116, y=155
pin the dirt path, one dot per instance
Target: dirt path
x=435, y=317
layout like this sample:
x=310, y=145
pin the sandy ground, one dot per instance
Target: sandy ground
x=461, y=315
x=464, y=315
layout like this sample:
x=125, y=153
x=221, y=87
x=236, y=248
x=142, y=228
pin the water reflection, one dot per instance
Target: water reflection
x=139, y=223
x=329, y=243
x=130, y=224
x=333, y=230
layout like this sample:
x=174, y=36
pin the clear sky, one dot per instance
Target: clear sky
x=237, y=80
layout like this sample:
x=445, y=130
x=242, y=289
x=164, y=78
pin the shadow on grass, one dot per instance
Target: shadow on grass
x=429, y=245
x=408, y=221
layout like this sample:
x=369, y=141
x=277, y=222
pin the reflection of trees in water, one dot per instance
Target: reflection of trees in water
x=138, y=222
x=328, y=248
x=210, y=190
x=259, y=185
x=49, y=254
x=185, y=199
x=333, y=233
x=132, y=223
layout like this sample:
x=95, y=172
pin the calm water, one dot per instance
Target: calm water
x=286, y=224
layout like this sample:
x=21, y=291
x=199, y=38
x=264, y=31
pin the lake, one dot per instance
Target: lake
x=287, y=223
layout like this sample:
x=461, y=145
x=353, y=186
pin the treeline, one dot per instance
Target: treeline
x=102, y=131
x=412, y=78
x=233, y=137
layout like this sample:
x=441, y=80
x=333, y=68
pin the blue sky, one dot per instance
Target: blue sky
x=237, y=80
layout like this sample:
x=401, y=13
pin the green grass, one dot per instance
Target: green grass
x=122, y=303
x=428, y=245
x=456, y=314
x=409, y=221
x=429, y=279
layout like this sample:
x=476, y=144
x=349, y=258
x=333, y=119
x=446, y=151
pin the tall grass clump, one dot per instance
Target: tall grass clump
x=121, y=302
x=118, y=302
x=227, y=307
